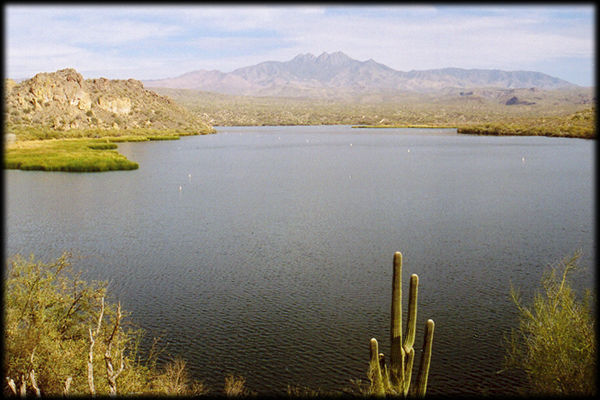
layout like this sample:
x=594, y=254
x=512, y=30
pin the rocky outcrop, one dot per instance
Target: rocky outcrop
x=120, y=105
x=515, y=101
x=64, y=100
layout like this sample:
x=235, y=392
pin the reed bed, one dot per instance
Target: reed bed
x=68, y=155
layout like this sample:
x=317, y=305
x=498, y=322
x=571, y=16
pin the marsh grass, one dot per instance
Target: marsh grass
x=578, y=125
x=128, y=138
x=68, y=155
x=553, y=127
x=36, y=132
x=79, y=150
x=102, y=146
x=422, y=126
x=163, y=137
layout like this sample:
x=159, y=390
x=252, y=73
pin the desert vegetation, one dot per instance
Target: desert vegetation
x=62, y=105
x=580, y=124
x=565, y=112
x=68, y=155
x=78, y=150
x=397, y=379
x=37, y=132
x=555, y=342
x=64, y=337
x=61, y=336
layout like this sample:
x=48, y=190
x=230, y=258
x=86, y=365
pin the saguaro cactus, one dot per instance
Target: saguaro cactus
x=397, y=379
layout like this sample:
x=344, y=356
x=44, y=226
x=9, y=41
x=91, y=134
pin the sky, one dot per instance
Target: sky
x=153, y=42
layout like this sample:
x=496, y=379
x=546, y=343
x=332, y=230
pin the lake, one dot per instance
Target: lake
x=267, y=252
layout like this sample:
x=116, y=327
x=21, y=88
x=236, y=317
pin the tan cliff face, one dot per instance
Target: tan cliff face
x=119, y=105
x=64, y=100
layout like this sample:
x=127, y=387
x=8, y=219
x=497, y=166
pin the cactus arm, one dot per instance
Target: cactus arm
x=411, y=322
x=396, y=353
x=425, y=359
x=375, y=369
x=396, y=380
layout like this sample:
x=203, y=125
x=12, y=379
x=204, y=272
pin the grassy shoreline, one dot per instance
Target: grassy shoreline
x=94, y=150
x=580, y=124
x=67, y=155
x=81, y=150
x=511, y=129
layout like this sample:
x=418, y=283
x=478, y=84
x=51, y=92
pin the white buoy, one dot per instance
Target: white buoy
x=523, y=159
x=350, y=144
x=408, y=151
x=180, y=188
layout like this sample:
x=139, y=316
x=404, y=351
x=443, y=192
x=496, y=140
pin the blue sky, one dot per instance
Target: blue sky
x=151, y=42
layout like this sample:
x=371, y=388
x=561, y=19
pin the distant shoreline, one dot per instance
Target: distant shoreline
x=491, y=130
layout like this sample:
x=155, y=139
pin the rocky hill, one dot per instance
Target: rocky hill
x=331, y=75
x=63, y=100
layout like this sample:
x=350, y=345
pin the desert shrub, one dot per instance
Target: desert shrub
x=236, y=386
x=174, y=380
x=555, y=343
x=56, y=323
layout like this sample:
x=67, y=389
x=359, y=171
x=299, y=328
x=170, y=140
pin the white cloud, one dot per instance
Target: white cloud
x=167, y=40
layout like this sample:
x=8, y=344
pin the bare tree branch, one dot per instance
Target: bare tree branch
x=11, y=385
x=34, y=384
x=23, y=389
x=67, y=386
x=91, y=353
x=71, y=310
x=110, y=374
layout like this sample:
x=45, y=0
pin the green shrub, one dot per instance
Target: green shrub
x=555, y=343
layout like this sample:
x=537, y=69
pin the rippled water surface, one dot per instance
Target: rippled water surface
x=267, y=252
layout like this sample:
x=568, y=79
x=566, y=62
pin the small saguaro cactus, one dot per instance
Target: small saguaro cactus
x=397, y=379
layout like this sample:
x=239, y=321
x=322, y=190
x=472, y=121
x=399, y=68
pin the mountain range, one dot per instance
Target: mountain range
x=333, y=73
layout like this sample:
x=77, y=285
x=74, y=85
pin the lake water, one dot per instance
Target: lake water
x=267, y=251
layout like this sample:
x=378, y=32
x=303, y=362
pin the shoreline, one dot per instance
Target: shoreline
x=72, y=152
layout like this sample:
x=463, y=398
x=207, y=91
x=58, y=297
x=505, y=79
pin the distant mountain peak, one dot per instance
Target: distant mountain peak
x=306, y=74
x=333, y=58
x=304, y=57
